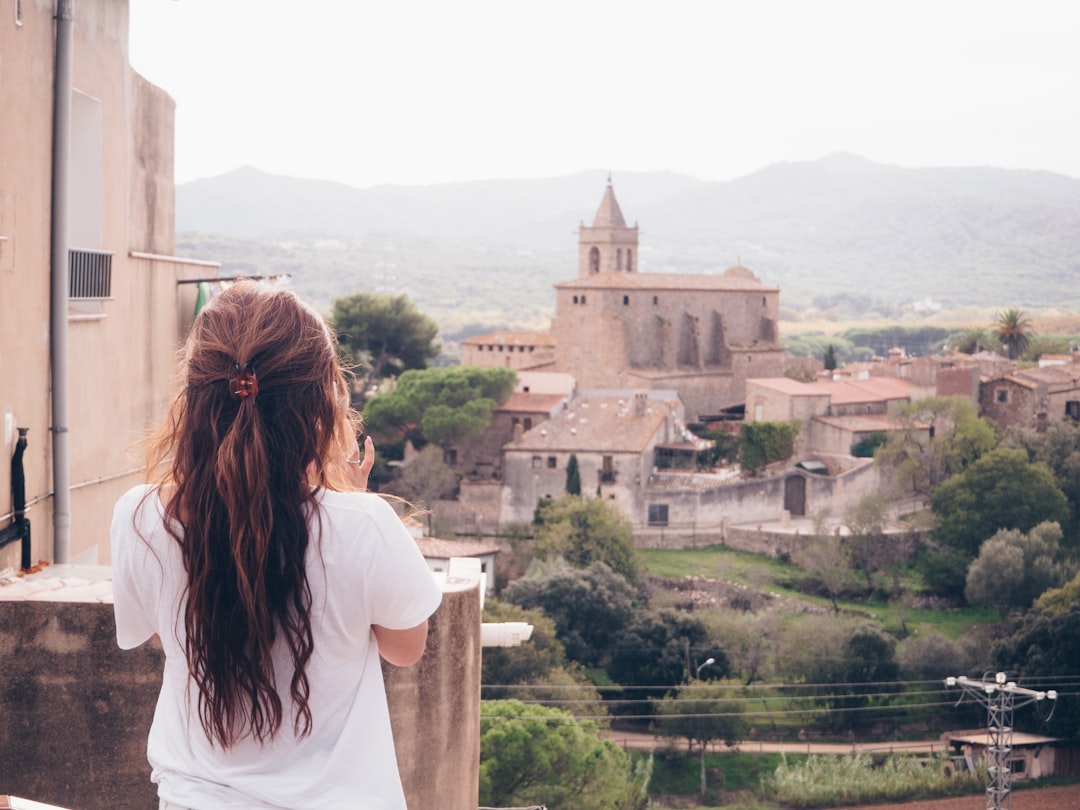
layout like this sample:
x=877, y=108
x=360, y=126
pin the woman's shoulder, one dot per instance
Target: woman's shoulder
x=352, y=506
x=134, y=497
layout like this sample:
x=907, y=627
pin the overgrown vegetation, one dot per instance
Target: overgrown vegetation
x=833, y=781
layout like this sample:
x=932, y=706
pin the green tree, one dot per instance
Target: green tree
x=1013, y=331
x=573, y=476
x=384, y=334
x=1059, y=448
x=830, y=358
x=1045, y=643
x=939, y=437
x=1002, y=490
x=828, y=558
x=537, y=670
x=449, y=405
x=762, y=443
x=1013, y=569
x=425, y=480
x=974, y=340
x=853, y=660
x=702, y=713
x=866, y=536
x=922, y=657
x=589, y=606
x=531, y=755
x=652, y=650
x=583, y=531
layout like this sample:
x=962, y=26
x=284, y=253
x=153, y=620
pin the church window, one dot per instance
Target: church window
x=656, y=300
x=763, y=300
x=626, y=300
x=629, y=260
x=514, y=420
x=583, y=299
x=594, y=260
x=618, y=259
x=575, y=299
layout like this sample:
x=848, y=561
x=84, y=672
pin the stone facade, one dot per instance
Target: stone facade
x=516, y=350
x=1033, y=398
x=613, y=437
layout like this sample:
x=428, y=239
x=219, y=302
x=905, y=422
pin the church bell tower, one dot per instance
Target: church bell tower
x=609, y=246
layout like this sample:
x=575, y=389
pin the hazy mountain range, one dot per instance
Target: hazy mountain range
x=837, y=231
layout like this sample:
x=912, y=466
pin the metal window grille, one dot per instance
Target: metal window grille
x=90, y=274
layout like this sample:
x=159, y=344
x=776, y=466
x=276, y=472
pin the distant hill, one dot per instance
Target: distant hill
x=840, y=231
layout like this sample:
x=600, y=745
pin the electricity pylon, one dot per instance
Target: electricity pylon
x=1000, y=697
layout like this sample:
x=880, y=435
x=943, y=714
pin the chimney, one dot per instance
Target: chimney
x=641, y=399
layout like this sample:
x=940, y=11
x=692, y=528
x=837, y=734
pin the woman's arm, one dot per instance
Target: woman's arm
x=402, y=648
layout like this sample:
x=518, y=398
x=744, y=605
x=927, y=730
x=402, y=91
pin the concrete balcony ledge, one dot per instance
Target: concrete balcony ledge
x=75, y=710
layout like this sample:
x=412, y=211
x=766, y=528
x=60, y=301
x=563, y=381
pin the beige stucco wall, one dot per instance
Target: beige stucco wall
x=121, y=351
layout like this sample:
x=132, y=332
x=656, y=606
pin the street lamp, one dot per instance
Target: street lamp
x=702, y=666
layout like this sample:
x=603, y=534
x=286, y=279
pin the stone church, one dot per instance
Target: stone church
x=617, y=328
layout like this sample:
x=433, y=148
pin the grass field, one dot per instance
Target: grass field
x=768, y=574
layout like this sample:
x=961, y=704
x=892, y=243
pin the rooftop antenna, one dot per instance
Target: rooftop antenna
x=1000, y=696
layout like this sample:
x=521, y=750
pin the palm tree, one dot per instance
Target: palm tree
x=1013, y=331
x=973, y=340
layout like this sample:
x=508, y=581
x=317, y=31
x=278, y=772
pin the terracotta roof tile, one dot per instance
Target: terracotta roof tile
x=522, y=402
x=595, y=424
x=511, y=339
x=434, y=548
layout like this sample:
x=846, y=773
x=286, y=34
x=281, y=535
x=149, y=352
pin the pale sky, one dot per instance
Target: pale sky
x=366, y=92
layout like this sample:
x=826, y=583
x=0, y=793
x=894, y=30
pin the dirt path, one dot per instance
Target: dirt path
x=1062, y=797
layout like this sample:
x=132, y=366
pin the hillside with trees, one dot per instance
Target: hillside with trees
x=485, y=254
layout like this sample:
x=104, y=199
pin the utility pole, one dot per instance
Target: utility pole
x=1000, y=697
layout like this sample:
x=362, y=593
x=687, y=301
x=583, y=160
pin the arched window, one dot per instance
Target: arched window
x=594, y=260
x=629, y=260
x=618, y=259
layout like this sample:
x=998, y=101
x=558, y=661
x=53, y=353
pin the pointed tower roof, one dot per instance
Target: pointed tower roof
x=609, y=215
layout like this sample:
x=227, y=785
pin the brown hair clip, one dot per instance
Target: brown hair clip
x=244, y=383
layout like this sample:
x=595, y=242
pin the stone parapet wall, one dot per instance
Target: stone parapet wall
x=76, y=709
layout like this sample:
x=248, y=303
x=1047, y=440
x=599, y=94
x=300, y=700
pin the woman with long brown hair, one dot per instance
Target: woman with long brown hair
x=273, y=581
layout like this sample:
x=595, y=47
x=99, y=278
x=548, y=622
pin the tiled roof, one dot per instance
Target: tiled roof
x=511, y=339
x=1051, y=375
x=595, y=424
x=522, y=402
x=863, y=423
x=793, y=388
x=434, y=548
x=609, y=215
x=667, y=281
x=874, y=389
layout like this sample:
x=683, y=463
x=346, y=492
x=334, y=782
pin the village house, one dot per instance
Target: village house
x=835, y=415
x=614, y=436
x=1033, y=398
x=516, y=350
x=95, y=311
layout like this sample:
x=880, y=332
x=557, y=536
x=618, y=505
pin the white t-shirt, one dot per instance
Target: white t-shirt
x=363, y=569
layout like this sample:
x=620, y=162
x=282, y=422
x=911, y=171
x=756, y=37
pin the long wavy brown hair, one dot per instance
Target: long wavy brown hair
x=239, y=478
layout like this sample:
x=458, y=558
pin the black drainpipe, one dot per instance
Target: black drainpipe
x=20, y=524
